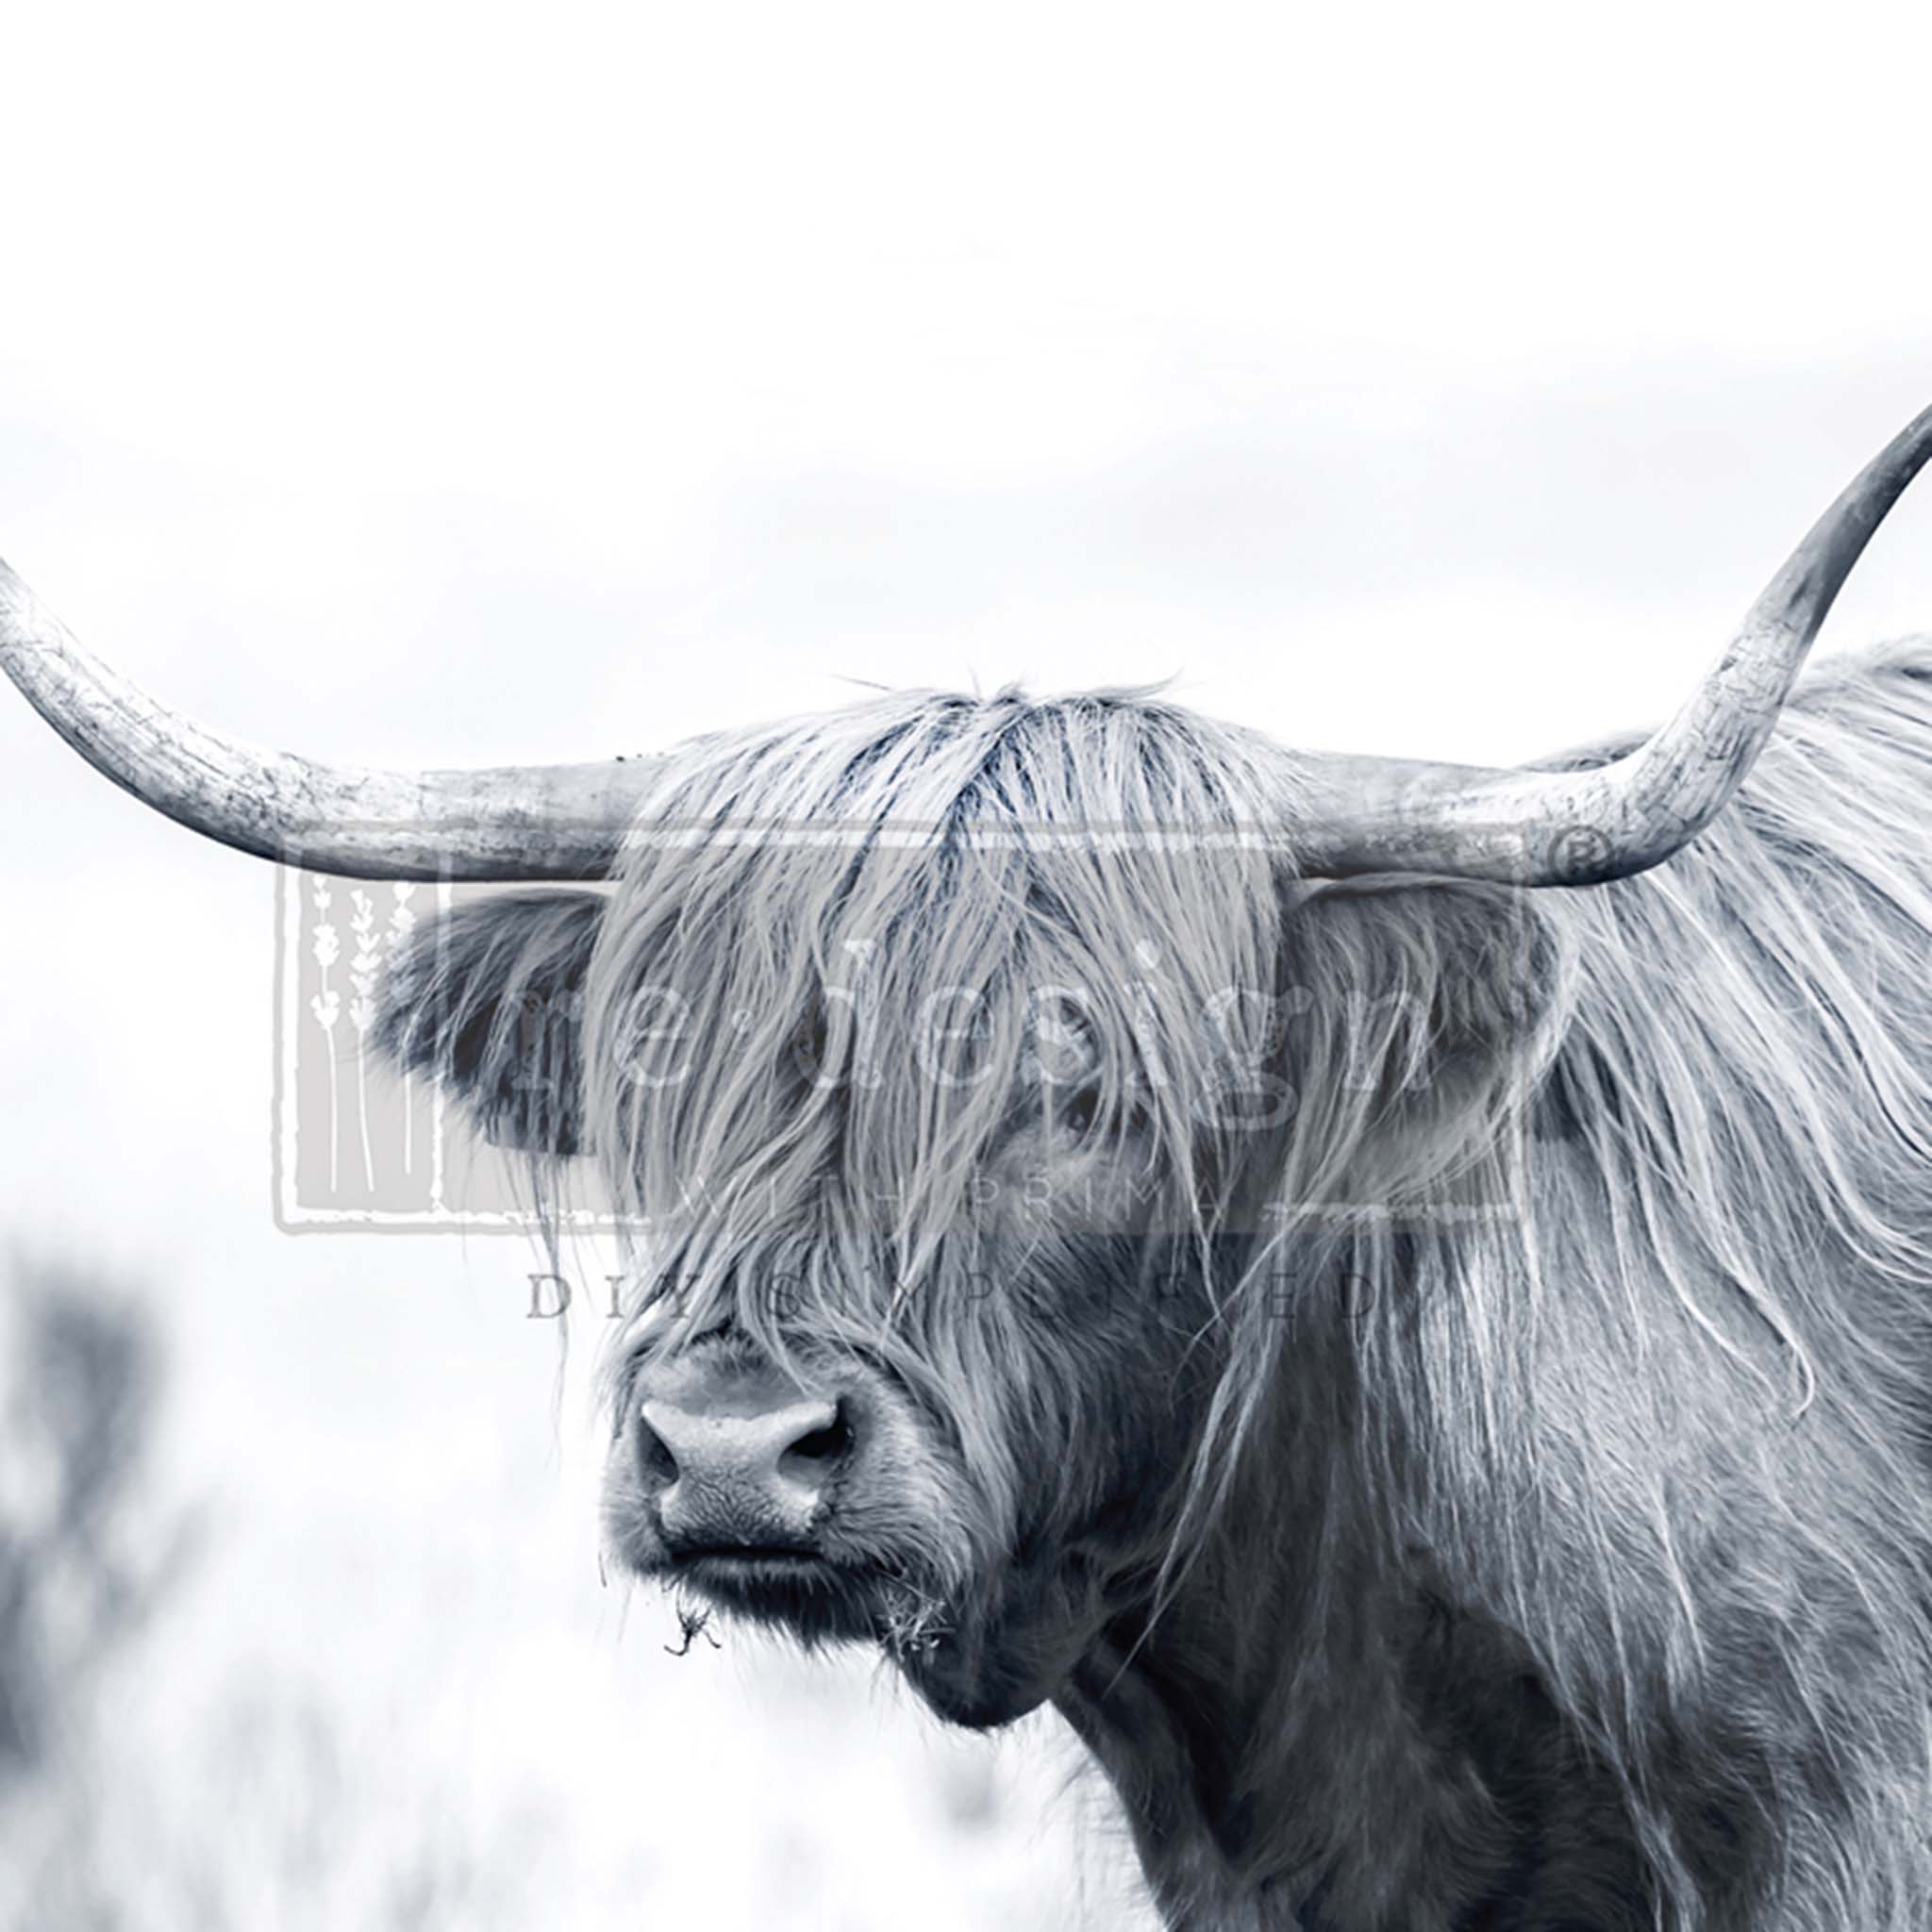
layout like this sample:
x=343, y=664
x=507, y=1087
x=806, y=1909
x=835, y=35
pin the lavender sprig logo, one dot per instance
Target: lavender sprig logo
x=364, y=965
x=327, y=1005
x=401, y=973
x=357, y=1143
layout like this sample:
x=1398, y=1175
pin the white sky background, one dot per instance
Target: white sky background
x=450, y=386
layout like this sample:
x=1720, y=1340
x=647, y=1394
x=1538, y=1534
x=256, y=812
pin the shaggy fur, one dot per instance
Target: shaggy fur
x=1434, y=1379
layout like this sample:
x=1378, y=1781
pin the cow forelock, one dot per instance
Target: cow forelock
x=794, y=1014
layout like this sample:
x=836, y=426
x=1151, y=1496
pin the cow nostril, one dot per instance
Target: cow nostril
x=654, y=1452
x=822, y=1445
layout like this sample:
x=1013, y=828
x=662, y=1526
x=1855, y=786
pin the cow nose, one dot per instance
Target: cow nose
x=744, y=1475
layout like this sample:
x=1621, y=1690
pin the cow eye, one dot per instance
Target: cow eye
x=1079, y=1110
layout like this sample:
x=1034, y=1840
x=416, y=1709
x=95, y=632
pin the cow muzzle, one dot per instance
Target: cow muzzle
x=815, y=1497
x=738, y=1460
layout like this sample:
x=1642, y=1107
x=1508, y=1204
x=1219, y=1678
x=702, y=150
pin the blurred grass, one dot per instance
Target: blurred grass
x=404, y=1707
x=80, y=1571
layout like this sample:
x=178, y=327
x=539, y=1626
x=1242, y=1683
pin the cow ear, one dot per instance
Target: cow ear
x=1426, y=1011
x=488, y=998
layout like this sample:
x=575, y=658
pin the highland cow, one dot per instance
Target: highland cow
x=1398, y=1298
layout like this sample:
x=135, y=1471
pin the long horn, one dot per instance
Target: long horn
x=504, y=821
x=1579, y=828
x=1355, y=815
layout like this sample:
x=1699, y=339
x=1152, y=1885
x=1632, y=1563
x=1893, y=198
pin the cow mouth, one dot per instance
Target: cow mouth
x=795, y=1589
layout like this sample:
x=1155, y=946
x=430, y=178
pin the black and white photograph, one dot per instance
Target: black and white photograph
x=965, y=969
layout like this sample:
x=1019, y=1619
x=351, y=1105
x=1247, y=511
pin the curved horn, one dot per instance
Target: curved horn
x=504, y=821
x=1357, y=814
x=1579, y=828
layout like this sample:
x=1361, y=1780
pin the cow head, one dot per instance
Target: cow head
x=945, y=1152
